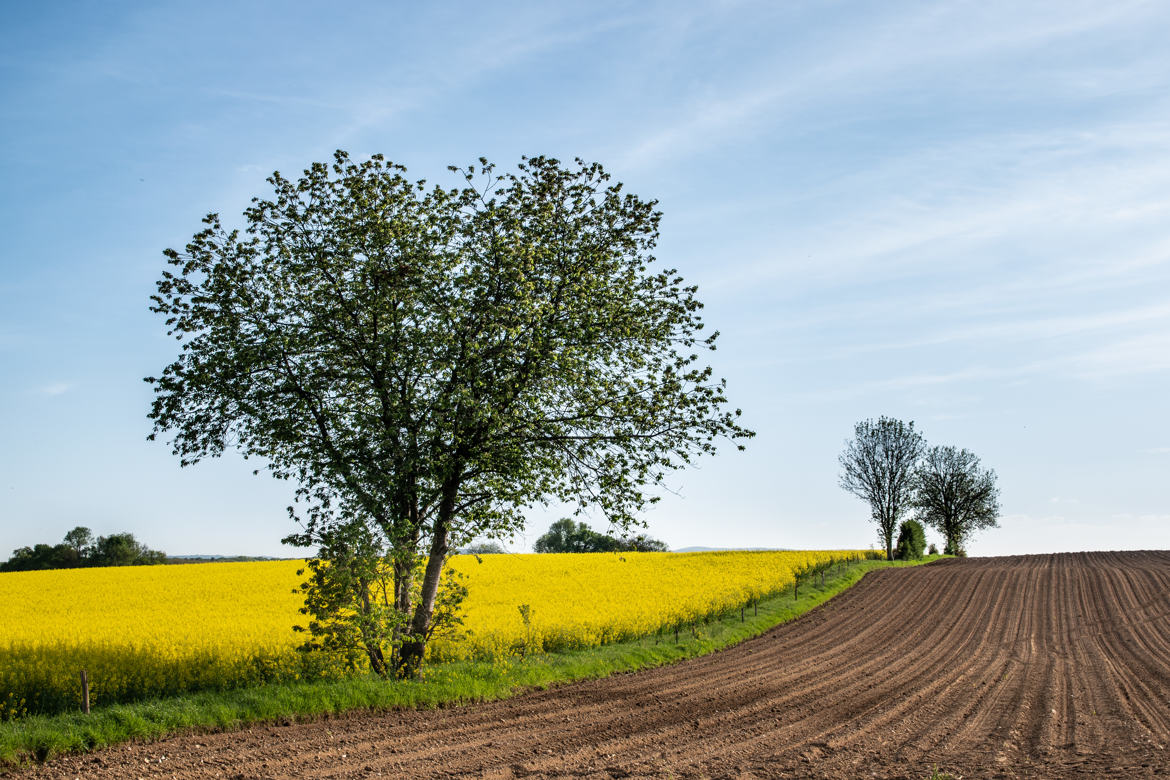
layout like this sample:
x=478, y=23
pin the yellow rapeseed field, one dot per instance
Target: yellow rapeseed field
x=160, y=630
x=585, y=600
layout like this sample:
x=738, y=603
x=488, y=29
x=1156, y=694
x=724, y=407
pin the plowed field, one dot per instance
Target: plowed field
x=1030, y=666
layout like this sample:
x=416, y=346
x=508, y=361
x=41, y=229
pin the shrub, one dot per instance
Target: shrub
x=933, y=550
x=911, y=540
x=955, y=549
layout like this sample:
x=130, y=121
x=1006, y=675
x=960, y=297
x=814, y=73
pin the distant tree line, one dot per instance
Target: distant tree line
x=888, y=465
x=565, y=536
x=80, y=548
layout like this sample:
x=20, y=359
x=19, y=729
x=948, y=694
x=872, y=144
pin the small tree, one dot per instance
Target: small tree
x=911, y=540
x=351, y=601
x=954, y=495
x=877, y=466
x=80, y=539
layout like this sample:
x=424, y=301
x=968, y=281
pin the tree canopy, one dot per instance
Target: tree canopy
x=566, y=536
x=79, y=548
x=431, y=362
x=877, y=466
x=955, y=495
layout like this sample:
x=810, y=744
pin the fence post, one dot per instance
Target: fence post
x=84, y=692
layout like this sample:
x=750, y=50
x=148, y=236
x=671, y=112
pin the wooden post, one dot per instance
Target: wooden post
x=84, y=692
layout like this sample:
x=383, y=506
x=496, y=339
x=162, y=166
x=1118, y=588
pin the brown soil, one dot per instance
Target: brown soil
x=1031, y=666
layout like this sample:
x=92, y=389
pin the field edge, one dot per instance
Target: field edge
x=40, y=738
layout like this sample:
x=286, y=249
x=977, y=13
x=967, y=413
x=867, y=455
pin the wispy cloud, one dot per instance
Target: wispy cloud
x=1022, y=329
x=1154, y=520
x=448, y=71
x=877, y=56
x=1035, y=254
x=976, y=192
x=900, y=384
x=1114, y=361
x=55, y=388
x=276, y=99
x=1144, y=354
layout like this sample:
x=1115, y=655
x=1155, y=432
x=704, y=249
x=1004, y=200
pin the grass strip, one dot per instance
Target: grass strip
x=41, y=737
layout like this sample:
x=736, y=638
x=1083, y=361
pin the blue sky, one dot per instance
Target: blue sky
x=955, y=213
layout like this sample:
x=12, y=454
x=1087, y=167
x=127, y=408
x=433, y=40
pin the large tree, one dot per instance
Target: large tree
x=877, y=466
x=955, y=495
x=436, y=360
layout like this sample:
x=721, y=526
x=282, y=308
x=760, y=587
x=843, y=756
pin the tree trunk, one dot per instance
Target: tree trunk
x=415, y=644
x=953, y=544
x=377, y=660
x=888, y=532
x=371, y=642
x=405, y=546
x=403, y=584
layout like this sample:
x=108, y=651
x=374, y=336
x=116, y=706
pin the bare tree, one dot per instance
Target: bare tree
x=955, y=496
x=878, y=467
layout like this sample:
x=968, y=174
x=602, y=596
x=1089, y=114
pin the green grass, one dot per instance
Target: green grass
x=41, y=737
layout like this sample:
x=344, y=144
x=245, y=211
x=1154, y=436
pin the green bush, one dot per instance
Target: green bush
x=954, y=548
x=911, y=540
